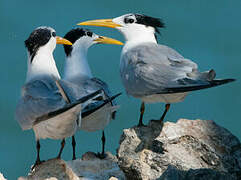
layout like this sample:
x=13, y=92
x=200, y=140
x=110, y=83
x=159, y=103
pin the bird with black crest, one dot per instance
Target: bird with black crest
x=98, y=111
x=153, y=72
x=48, y=104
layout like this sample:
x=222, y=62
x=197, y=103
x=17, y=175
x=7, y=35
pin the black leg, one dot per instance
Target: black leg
x=102, y=155
x=37, y=162
x=142, y=110
x=73, y=146
x=61, y=149
x=167, y=107
x=103, y=143
x=38, y=151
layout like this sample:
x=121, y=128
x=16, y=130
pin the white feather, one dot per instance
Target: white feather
x=43, y=62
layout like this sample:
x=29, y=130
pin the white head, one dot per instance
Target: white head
x=82, y=39
x=41, y=38
x=132, y=26
x=76, y=55
x=40, y=46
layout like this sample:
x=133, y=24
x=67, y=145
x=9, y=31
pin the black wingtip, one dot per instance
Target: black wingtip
x=86, y=113
x=89, y=96
x=115, y=96
x=222, y=81
x=66, y=108
x=55, y=113
x=212, y=83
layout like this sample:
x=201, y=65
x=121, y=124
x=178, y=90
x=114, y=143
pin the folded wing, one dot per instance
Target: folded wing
x=156, y=69
x=40, y=97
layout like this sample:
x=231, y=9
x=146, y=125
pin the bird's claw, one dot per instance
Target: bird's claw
x=37, y=162
x=101, y=155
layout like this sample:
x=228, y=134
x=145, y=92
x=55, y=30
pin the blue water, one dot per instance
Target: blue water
x=208, y=32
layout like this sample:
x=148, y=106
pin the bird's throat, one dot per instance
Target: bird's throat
x=42, y=64
x=77, y=65
x=139, y=40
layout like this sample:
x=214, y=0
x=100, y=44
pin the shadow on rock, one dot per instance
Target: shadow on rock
x=89, y=167
x=147, y=139
x=190, y=147
x=172, y=173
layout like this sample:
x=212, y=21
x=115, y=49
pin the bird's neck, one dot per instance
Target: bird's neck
x=43, y=63
x=138, y=38
x=76, y=64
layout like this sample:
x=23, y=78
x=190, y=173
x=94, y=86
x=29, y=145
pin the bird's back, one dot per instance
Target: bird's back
x=150, y=68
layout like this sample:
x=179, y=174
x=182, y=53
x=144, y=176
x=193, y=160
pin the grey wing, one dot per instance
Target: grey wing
x=151, y=68
x=73, y=90
x=84, y=84
x=88, y=85
x=101, y=85
x=107, y=93
x=38, y=97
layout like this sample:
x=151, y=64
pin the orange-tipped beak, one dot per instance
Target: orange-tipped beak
x=60, y=40
x=106, y=40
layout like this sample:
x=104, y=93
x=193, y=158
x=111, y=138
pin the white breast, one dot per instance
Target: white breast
x=166, y=98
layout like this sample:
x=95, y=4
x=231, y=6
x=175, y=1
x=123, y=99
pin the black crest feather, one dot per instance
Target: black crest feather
x=37, y=38
x=150, y=21
x=73, y=35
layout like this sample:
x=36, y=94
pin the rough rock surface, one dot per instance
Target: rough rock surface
x=87, y=168
x=188, y=149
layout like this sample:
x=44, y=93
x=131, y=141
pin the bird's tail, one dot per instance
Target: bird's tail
x=218, y=82
x=210, y=84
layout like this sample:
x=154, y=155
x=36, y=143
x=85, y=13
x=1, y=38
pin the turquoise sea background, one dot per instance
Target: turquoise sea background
x=208, y=32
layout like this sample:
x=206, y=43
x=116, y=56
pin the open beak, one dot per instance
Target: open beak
x=106, y=40
x=100, y=22
x=60, y=40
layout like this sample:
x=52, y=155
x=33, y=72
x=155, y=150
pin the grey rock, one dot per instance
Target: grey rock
x=53, y=169
x=172, y=173
x=188, y=149
x=94, y=168
x=88, y=168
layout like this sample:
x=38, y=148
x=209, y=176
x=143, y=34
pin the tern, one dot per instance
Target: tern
x=77, y=71
x=153, y=72
x=47, y=104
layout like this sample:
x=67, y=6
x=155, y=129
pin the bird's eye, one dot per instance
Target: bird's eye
x=53, y=34
x=129, y=20
x=89, y=34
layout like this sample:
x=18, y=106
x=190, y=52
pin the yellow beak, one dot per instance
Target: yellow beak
x=60, y=40
x=100, y=22
x=106, y=40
